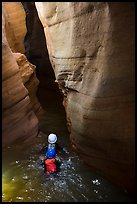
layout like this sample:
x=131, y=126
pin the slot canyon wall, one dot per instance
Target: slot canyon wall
x=19, y=82
x=91, y=48
x=36, y=48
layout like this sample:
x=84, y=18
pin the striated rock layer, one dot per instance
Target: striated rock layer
x=29, y=79
x=91, y=48
x=18, y=119
x=15, y=25
x=35, y=46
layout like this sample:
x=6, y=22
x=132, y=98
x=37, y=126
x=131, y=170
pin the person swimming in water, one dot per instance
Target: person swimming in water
x=50, y=164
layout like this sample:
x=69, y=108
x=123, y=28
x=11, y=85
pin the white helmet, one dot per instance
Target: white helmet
x=52, y=138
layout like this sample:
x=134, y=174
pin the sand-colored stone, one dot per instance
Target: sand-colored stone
x=15, y=25
x=30, y=81
x=18, y=119
x=91, y=48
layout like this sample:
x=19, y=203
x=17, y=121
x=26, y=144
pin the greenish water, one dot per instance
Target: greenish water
x=23, y=179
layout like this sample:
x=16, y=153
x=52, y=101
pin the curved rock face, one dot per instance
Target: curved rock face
x=91, y=47
x=29, y=79
x=18, y=119
x=35, y=43
x=15, y=25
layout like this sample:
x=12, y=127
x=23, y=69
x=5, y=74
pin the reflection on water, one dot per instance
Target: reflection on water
x=23, y=179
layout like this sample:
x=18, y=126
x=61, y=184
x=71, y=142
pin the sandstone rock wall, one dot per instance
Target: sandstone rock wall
x=18, y=119
x=91, y=48
x=15, y=25
x=35, y=44
x=29, y=79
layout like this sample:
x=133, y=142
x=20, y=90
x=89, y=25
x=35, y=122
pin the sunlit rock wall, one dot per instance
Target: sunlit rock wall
x=29, y=79
x=15, y=25
x=14, y=17
x=18, y=119
x=91, y=47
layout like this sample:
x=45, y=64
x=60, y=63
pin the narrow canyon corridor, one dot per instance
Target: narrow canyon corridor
x=23, y=178
x=68, y=68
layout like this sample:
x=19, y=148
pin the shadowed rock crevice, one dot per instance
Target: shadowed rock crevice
x=35, y=46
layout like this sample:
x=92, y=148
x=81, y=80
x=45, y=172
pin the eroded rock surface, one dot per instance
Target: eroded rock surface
x=15, y=25
x=91, y=48
x=35, y=44
x=28, y=75
x=18, y=119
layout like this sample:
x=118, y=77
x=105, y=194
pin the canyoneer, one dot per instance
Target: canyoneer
x=50, y=163
x=52, y=144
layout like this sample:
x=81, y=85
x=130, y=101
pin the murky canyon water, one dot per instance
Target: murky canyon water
x=23, y=179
